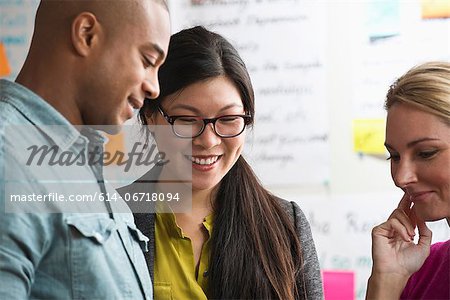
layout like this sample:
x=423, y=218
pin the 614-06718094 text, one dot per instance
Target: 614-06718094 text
x=151, y=197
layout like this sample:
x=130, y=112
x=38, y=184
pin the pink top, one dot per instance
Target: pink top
x=432, y=281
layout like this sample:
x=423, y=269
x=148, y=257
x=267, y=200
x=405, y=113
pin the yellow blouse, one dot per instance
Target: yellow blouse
x=175, y=276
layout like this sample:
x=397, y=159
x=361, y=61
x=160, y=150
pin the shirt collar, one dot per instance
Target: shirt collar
x=44, y=116
x=169, y=220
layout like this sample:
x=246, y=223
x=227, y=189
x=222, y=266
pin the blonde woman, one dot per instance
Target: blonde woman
x=418, y=140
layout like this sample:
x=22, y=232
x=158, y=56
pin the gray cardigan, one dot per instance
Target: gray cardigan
x=311, y=281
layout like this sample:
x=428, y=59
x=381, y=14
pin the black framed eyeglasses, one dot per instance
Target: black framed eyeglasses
x=227, y=126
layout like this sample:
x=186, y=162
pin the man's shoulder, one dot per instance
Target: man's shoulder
x=11, y=128
x=10, y=115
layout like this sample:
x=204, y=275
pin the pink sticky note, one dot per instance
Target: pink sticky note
x=338, y=285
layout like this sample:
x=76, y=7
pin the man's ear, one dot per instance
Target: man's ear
x=85, y=32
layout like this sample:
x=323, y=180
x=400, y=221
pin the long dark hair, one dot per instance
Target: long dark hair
x=255, y=250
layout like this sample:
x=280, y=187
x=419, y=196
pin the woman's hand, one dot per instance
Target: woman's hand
x=395, y=256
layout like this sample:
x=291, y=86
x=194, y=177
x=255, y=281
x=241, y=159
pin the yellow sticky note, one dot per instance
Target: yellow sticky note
x=435, y=9
x=5, y=70
x=368, y=136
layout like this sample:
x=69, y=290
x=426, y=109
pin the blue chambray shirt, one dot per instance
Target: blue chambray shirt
x=62, y=255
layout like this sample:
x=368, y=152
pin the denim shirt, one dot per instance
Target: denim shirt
x=64, y=254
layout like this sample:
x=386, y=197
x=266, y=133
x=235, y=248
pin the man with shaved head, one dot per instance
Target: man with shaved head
x=91, y=62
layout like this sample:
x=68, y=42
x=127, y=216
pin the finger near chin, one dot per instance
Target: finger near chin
x=384, y=231
x=399, y=229
x=405, y=220
x=425, y=234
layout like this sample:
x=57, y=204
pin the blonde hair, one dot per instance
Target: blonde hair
x=426, y=86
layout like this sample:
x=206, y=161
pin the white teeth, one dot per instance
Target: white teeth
x=202, y=161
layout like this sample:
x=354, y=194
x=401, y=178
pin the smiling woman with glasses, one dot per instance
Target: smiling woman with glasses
x=239, y=241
